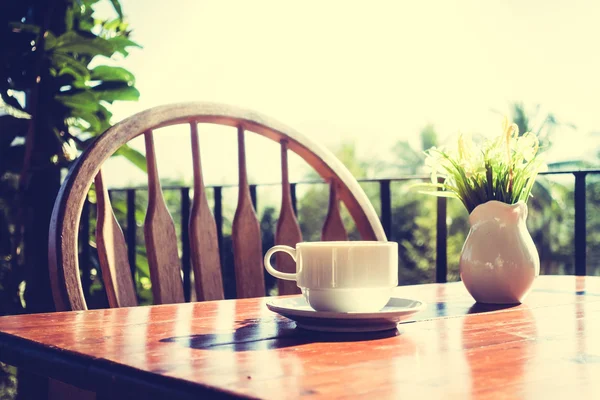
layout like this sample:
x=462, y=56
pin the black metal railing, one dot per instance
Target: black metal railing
x=385, y=196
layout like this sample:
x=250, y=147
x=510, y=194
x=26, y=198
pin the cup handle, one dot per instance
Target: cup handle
x=281, y=275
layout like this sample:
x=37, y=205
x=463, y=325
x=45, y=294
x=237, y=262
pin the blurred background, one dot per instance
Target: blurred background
x=371, y=75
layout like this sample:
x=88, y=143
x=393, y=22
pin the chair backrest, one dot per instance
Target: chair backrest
x=159, y=230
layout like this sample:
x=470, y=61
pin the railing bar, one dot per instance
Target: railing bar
x=293, y=197
x=131, y=232
x=86, y=259
x=218, y=214
x=376, y=180
x=441, y=228
x=253, y=196
x=186, y=264
x=580, y=224
x=441, y=259
x=385, y=196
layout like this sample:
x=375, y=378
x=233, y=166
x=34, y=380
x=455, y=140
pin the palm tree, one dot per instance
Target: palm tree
x=410, y=161
x=551, y=207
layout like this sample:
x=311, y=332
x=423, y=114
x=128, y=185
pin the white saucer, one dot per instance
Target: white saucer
x=298, y=310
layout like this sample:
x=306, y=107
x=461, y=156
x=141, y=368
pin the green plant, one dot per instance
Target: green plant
x=502, y=169
x=57, y=81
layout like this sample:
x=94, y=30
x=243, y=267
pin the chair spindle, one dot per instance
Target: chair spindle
x=333, y=228
x=247, y=243
x=204, y=242
x=161, y=239
x=112, y=251
x=288, y=230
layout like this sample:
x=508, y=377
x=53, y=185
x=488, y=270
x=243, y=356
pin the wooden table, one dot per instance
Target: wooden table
x=548, y=347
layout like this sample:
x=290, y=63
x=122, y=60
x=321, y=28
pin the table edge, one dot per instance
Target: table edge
x=104, y=375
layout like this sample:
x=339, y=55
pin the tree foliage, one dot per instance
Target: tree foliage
x=58, y=80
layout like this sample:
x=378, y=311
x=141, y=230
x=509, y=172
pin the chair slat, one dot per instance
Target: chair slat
x=333, y=228
x=288, y=230
x=247, y=244
x=204, y=242
x=161, y=239
x=112, y=252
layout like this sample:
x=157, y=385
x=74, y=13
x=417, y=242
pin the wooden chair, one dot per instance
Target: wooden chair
x=159, y=230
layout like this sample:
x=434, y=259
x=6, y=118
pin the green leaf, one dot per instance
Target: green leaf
x=106, y=73
x=117, y=7
x=439, y=193
x=91, y=118
x=69, y=15
x=142, y=262
x=75, y=74
x=120, y=44
x=124, y=93
x=111, y=25
x=68, y=65
x=49, y=41
x=104, y=115
x=123, y=27
x=82, y=100
x=87, y=24
x=72, y=42
x=136, y=158
x=19, y=27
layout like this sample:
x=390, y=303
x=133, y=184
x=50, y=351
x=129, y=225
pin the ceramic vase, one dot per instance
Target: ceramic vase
x=499, y=261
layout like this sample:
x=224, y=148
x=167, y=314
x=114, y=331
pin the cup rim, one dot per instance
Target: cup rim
x=348, y=243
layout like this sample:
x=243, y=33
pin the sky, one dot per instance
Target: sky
x=371, y=73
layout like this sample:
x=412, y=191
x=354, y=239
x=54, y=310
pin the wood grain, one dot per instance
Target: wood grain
x=63, y=252
x=112, y=252
x=246, y=235
x=545, y=348
x=204, y=241
x=288, y=230
x=161, y=239
x=333, y=228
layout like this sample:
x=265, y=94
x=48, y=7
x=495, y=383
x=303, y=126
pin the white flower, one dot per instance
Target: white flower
x=511, y=131
x=433, y=162
x=504, y=168
x=470, y=159
x=527, y=146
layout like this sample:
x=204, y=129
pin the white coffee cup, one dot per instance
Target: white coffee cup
x=354, y=276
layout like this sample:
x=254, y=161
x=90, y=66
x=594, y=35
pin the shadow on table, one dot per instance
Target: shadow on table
x=266, y=334
x=255, y=334
x=444, y=309
x=479, y=308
